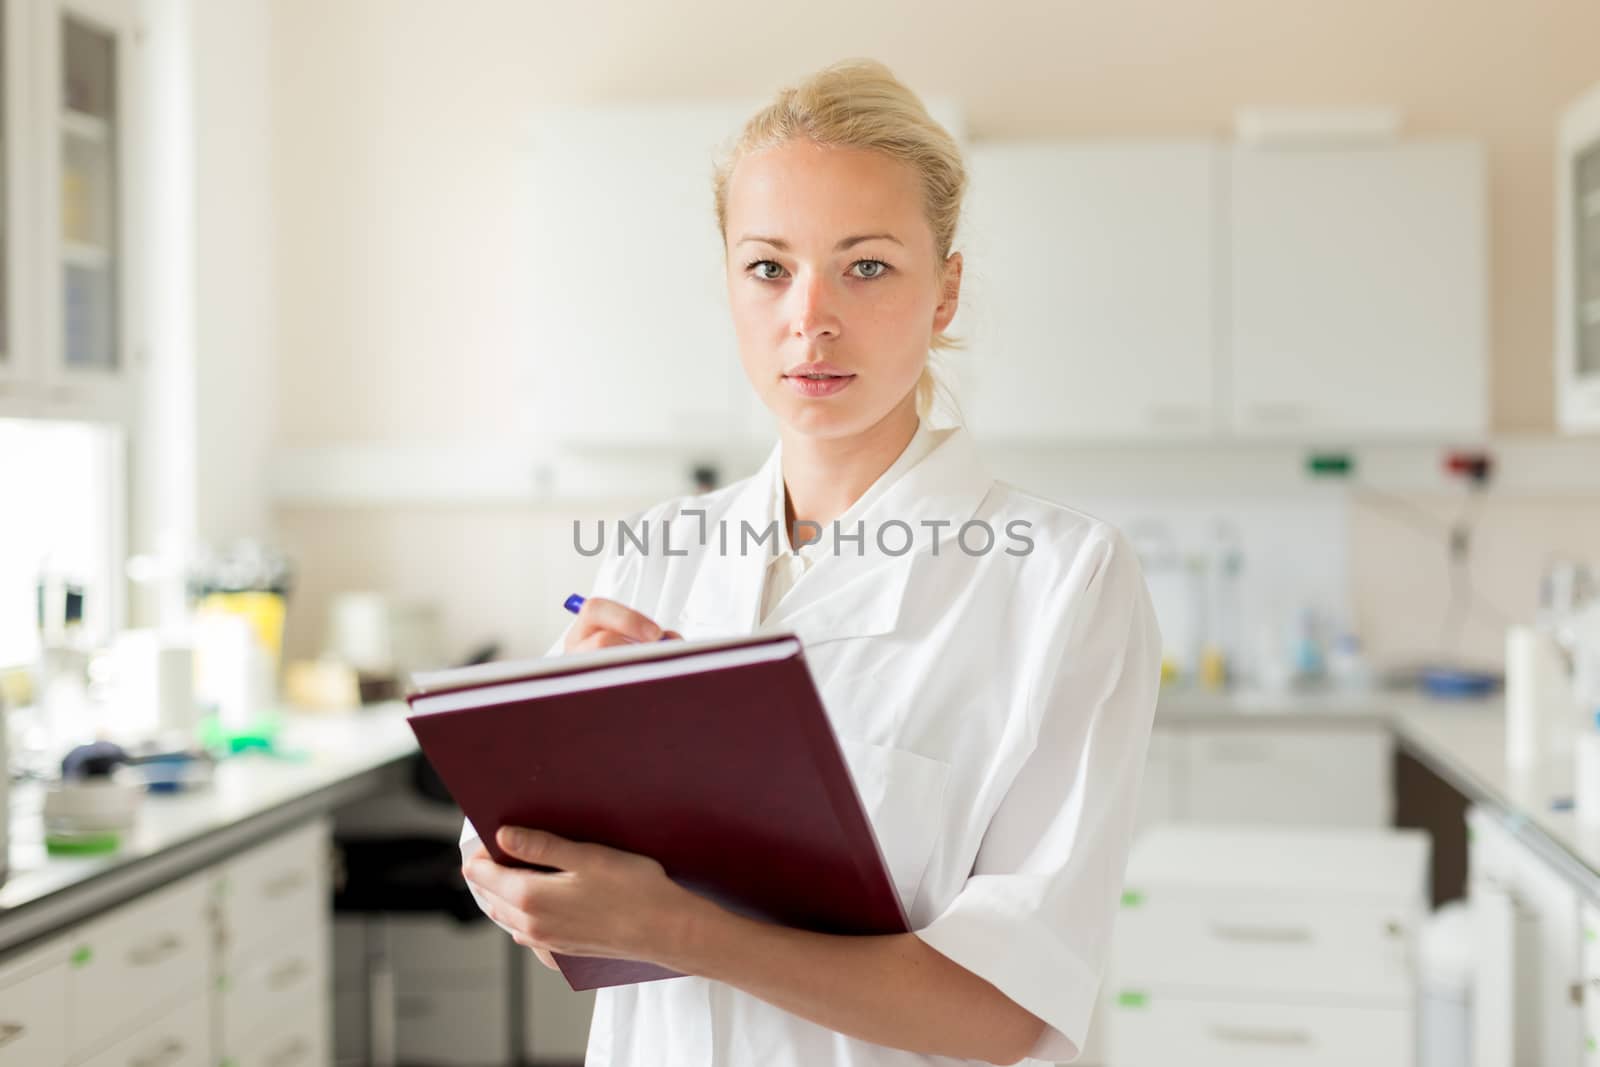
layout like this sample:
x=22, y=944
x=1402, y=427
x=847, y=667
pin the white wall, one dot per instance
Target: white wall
x=201, y=456
x=398, y=192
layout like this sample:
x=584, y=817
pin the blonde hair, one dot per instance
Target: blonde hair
x=858, y=103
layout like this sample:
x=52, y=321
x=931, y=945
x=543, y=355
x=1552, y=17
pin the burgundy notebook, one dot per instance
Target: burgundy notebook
x=715, y=758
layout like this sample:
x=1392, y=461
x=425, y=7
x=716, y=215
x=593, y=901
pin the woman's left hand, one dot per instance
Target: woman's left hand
x=601, y=902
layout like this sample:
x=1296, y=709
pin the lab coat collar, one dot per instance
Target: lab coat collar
x=846, y=592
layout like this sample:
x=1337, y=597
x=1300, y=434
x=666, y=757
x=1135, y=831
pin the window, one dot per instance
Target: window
x=61, y=521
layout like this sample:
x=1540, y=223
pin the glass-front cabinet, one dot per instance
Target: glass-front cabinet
x=1578, y=265
x=13, y=121
x=66, y=131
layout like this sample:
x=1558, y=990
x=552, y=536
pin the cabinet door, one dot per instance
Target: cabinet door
x=14, y=190
x=136, y=960
x=1088, y=297
x=1357, y=302
x=1578, y=264
x=628, y=315
x=1290, y=776
x=33, y=1007
x=86, y=103
x=178, y=1038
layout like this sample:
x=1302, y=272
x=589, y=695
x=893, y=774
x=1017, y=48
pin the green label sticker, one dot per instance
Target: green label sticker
x=1129, y=998
x=82, y=955
x=1132, y=898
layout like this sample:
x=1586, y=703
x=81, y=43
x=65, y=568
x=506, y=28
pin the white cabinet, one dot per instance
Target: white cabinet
x=1090, y=293
x=1268, y=946
x=33, y=1007
x=273, y=948
x=1289, y=775
x=137, y=961
x=632, y=343
x=71, y=146
x=1578, y=264
x=1530, y=988
x=178, y=1037
x=229, y=963
x=1357, y=305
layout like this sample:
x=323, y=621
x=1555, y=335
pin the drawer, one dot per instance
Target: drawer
x=298, y=1038
x=136, y=961
x=1159, y=1031
x=1226, y=942
x=270, y=988
x=423, y=945
x=275, y=890
x=555, y=1019
x=1289, y=776
x=444, y=1027
x=179, y=1038
x=33, y=1007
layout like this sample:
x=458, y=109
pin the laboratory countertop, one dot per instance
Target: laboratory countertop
x=327, y=760
x=333, y=759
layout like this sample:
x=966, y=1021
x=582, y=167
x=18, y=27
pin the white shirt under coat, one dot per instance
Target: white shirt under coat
x=994, y=707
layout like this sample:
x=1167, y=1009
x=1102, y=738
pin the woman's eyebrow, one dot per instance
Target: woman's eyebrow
x=849, y=242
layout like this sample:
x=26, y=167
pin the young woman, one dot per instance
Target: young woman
x=988, y=659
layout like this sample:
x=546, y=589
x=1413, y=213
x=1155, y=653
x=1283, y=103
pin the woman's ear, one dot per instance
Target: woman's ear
x=949, y=294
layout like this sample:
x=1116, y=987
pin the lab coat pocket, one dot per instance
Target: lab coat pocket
x=904, y=797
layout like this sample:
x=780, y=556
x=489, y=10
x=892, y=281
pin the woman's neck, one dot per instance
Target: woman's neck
x=824, y=476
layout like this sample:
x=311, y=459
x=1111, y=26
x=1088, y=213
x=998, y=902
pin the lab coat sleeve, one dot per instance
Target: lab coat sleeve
x=617, y=579
x=1035, y=916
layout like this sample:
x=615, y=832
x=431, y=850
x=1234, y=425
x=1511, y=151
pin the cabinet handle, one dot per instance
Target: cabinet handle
x=171, y=1052
x=293, y=1052
x=287, y=975
x=284, y=884
x=1261, y=935
x=1175, y=414
x=10, y=1032
x=155, y=951
x=1260, y=1035
x=414, y=1007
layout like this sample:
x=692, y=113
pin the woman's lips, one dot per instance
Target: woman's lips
x=819, y=386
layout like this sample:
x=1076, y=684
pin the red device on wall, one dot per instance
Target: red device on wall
x=715, y=758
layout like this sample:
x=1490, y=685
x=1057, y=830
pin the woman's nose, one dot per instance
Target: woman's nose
x=813, y=315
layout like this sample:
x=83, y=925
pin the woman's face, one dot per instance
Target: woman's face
x=833, y=284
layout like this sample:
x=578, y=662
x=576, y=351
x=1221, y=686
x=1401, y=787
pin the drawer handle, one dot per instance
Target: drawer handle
x=9, y=1032
x=293, y=1052
x=1240, y=752
x=1261, y=935
x=171, y=1052
x=284, y=884
x=1260, y=1035
x=155, y=951
x=287, y=975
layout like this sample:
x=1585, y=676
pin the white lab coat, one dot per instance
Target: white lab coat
x=994, y=708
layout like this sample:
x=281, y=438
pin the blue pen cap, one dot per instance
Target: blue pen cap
x=574, y=603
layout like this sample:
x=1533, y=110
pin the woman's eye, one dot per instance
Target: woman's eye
x=869, y=268
x=765, y=269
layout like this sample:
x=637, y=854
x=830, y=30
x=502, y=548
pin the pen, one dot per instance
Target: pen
x=575, y=602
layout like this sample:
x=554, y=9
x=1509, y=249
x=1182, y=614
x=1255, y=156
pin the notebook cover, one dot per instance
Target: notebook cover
x=731, y=778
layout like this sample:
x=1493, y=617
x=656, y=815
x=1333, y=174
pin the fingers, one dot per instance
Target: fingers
x=546, y=959
x=539, y=846
x=599, y=613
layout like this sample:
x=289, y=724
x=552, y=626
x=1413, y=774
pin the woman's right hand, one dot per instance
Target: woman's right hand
x=606, y=624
